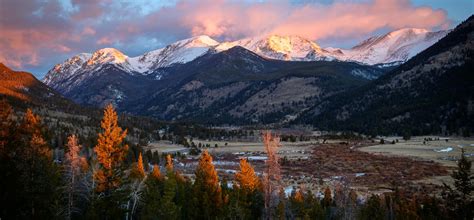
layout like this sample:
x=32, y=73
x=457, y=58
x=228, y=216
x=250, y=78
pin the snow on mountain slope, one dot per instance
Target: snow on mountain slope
x=180, y=52
x=66, y=69
x=394, y=47
x=291, y=48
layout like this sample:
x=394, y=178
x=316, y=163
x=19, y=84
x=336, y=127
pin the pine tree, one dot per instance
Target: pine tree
x=248, y=190
x=108, y=178
x=327, y=200
x=30, y=179
x=152, y=195
x=460, y=200
x=246, y=177
x=168, y=208
x=207, y=190
x=169, y=163
x=297, y=204
x=110, y=151
x=6, y=123
x=138, y=171
x=373, y=209
x=156, y=172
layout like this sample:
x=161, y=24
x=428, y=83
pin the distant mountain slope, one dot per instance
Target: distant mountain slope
x=431, y=93
x=238, y=86
x=393, y=48
x=290, y=48
x=233, y=84
x=23, y=87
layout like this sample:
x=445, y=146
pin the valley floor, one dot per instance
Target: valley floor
x=368, y=167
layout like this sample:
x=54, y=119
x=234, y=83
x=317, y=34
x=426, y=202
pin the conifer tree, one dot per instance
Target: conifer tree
x=169, y=163
x=6, y=123
x=246, y=177
x=30, y=179
x=138, y=170
x=460, y=200
x=110, y=151
x=248, y=190
x=168, y=208
x=156, y=172
x=207, y=190
x=152, y=195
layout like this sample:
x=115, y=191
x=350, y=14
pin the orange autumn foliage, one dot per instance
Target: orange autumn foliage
x=32, y=125
x=138, y=170
x=298, y=197
x=110, y=151
x=169, y=163
x=206, y=171
x=156, y=172
x=207, y=182
x=246, y=177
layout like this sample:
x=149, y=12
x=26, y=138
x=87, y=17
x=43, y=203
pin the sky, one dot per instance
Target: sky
x=37, y=34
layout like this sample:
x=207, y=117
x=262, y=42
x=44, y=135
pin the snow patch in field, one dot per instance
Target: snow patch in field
x=444, y=150
x=288, y=191
x=257, y=158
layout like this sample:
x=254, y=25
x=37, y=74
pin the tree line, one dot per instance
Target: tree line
x=103, y=185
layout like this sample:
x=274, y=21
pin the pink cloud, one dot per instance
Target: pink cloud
x=104, y=40
x=229, y=19
x=88, y=31
x=32, y=31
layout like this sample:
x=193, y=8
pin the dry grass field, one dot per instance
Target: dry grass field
x=363, y=165
x=441, y=151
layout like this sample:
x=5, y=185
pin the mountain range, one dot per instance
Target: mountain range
x=394, y=47
x=380, y=83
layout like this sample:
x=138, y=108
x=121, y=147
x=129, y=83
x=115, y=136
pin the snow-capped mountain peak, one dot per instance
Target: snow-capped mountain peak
x=67, y=68
x=181, y=51
x=107, y=55
x=198, y=41
x=278, y=47
x=394, y=47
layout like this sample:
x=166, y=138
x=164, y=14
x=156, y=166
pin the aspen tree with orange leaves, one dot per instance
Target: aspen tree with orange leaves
x=110, y=151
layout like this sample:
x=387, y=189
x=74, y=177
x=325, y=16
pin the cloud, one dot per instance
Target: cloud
x=37, y=33
x=230, y=19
